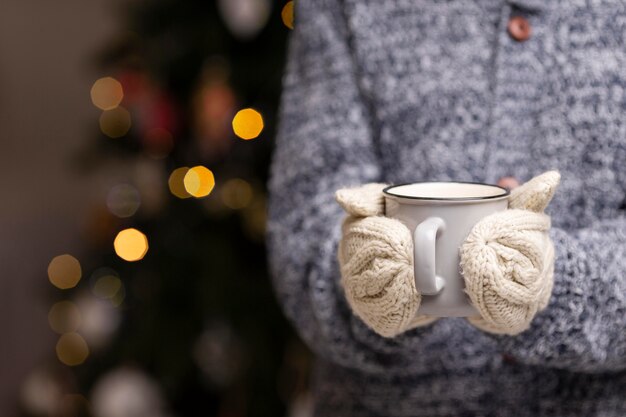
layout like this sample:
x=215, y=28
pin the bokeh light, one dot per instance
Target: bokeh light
x=287, y=14
x=123, y=200
x=199, y=181
x=64, y=271
x=131, y=245
x=107, y=286
x=64, y=317
x=245, y=18
x=218, y=352
x=127, y=391
x=119, y=296
x=255, y=218
x=236, y=193
x=176, y=182
x=115, y=123
x=248, y=124
x=99, y=320
x=72, y=349
x=107, y=93
x=42, y=392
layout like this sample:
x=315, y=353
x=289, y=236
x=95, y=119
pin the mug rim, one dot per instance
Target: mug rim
x=505, y=193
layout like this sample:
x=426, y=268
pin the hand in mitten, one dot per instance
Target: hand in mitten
x=508, y=259
x=376, y=260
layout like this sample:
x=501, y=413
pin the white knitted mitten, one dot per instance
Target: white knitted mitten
x=508, y=259
x=376, y=260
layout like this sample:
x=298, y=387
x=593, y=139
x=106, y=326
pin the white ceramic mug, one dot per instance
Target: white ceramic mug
x=440, y=215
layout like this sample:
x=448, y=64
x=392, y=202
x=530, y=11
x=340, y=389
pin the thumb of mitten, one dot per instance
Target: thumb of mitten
x=363, y=201
x=376, y=258
x=535, y=194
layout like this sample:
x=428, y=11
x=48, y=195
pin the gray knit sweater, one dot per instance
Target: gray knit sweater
x=411, y=90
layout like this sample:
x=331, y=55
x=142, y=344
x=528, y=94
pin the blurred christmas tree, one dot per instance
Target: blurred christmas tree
x=169, y=310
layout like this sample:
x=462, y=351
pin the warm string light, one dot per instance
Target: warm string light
x=131, y=245
x=72, y=349
x=236, y=193
x=287, y=14
x=195, y=182
x=115, y=123
x=64, y=271
x=176, y=182
x=255, y=217
x=118, y=298
x=199, y=181
x=107, y=286
x=64, y=317
x=107, y=93
x=248, y=124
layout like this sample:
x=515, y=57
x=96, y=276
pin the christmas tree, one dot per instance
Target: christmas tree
x=169, y=309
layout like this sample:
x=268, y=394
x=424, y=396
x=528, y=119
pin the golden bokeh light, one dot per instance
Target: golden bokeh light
x=176, y=182
x=64, y=317
x=107, y=93
x=131, y=245
x=64, y=271
x=255, y=218
x=115, y=123
x=107, y=286
x=287, y=14
x=119, y=296
x=199, y=181
x=72, y=349
x=236, y=193
x=248, y=124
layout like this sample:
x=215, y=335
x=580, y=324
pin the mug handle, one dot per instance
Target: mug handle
x=425, y=238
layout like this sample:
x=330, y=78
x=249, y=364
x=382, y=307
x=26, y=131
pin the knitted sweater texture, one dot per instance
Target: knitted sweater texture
x=415, y=90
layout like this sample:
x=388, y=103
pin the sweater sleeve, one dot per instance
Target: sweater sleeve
x=584, y=326
x=324, y=142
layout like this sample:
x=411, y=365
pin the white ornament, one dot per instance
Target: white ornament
x=245, y=18
x=41, y=393
x=127, y=392
x=99, y=320
x=219, y=353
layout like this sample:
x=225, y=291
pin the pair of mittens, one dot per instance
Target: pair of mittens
x=507, y=261
x=376, y=260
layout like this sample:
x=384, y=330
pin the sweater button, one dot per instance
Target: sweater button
x=508, y=182
x=519, y=28
x=508, y=359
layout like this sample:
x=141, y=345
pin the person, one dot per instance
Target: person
x=390, y=92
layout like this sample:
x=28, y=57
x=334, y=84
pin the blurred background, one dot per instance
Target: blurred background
x=136, y=141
